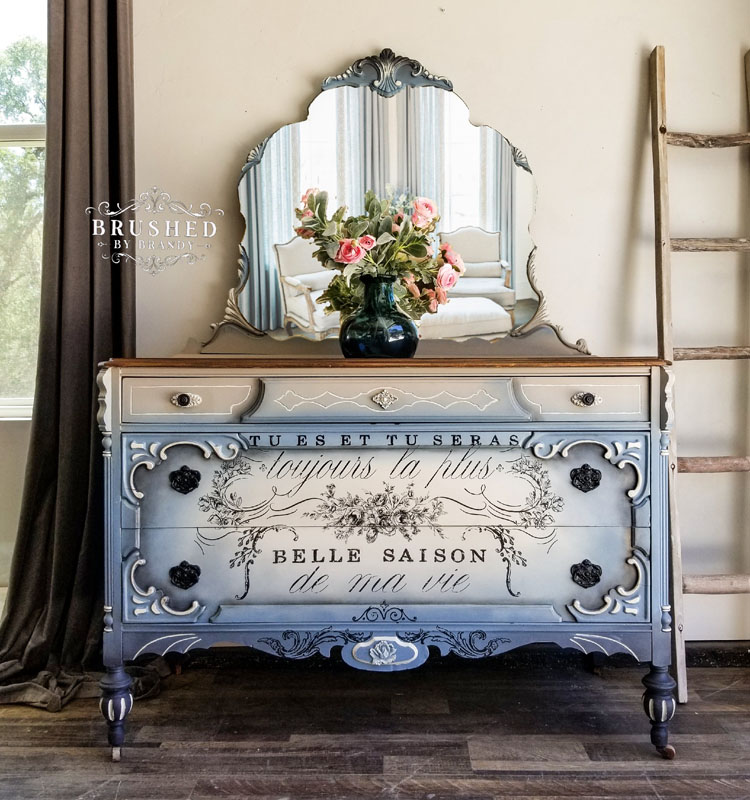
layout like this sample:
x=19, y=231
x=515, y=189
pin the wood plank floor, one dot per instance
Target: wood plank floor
x=276, y=730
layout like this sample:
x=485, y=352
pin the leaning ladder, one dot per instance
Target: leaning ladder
x=661, y=138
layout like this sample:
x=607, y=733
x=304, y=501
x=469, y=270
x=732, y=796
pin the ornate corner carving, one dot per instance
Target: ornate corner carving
x=151, y=601
x=519, y=158
x=150, y=454
x=387, y=74
x=255, y=155
x=232, y=313
x=541, y=316
x=619, y=601
x=633, y=452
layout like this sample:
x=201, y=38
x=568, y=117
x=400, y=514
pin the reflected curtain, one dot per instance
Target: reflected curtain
x=269, y=192
x=51, y=629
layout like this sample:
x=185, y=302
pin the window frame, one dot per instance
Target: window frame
x=15, y=135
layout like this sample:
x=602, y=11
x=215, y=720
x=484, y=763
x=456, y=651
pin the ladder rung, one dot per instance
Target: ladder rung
x=713, y=464
x=707, y=140
x=710, y=353
x=710, y=245
x=716, y=584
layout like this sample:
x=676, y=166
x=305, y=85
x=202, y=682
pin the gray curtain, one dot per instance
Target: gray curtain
x=51, y=629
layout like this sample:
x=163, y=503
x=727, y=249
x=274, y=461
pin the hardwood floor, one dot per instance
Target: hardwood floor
x=523, y=726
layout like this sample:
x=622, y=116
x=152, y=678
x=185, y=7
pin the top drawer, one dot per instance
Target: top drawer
x=188, y=399
x=337, y=398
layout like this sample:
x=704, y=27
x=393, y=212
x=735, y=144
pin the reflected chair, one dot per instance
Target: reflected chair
x=303, y=280
x=487, y=274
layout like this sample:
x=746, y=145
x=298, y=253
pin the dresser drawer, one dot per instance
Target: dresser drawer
x=188, y=399
x=592, y=399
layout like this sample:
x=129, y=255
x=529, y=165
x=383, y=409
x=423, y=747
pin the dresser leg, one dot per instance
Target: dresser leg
x=659, y=704
x=115, y=704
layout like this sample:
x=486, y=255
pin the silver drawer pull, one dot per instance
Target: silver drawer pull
x=186, y=400
x=586, y=399
x=384, y=399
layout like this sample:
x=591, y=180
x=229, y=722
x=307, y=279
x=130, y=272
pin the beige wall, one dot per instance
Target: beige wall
x=567, y=83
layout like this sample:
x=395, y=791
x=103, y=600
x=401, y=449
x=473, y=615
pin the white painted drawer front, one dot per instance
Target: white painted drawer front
x=341, y=398
x=218, y=399
x=615, y=398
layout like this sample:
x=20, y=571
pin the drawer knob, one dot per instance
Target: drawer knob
x=585, y=478
x=184, y=575
x=586, y=399
x=186, y=400
x=586, y=574
x=184, y=480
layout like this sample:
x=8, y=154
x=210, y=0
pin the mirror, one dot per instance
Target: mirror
x=388, y=126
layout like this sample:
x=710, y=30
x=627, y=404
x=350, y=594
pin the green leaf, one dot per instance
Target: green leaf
x=416, y=249
x=385, y=237
x=358, y=228
x=332, y=248
x=385, y=226
x=330, y=229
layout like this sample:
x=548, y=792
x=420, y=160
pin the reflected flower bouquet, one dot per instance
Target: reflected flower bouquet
x=392, y=238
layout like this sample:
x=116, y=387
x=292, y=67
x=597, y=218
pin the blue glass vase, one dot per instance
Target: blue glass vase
x=378, y=329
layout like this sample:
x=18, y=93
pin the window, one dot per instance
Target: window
x=23, y=68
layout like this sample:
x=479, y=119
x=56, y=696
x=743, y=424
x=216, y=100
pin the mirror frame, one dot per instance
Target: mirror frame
x=387, y=74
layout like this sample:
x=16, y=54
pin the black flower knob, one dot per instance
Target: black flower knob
x=184, y=575
x=183, y=399
x=585, y=478
x=588, y=399
x=184, y=479
x=586, y=574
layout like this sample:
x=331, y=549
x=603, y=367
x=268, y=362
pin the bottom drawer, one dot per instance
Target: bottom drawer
x=562, y=574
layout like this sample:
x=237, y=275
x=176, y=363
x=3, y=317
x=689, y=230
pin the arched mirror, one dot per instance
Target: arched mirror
x=388, y=126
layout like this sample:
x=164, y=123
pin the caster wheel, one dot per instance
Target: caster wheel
x=667, y=752
x=116, y=753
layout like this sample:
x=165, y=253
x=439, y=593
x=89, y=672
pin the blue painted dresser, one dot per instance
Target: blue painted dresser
x=388, y=511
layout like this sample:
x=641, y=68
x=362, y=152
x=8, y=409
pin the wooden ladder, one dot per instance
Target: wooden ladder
x=661, y=138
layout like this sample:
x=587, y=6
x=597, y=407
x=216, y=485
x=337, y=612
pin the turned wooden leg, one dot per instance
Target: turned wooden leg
x=115, y=704
x=659, y=704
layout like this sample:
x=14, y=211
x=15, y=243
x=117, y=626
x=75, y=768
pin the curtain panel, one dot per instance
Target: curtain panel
x=51, y=630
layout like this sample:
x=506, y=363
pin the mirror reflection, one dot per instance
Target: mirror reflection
x=417, y=143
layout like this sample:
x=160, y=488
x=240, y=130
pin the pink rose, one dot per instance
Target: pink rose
x=411, y=286
x=368, y=242
x=433, y=300
x=307, y=213
x=430, y=251
x=425, y=211
x=306, y=196
x=446, y=277
x=305, y=233
x=349, y=252
x=442, y=295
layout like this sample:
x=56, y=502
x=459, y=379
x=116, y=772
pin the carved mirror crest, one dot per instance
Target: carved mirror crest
x=388, y=125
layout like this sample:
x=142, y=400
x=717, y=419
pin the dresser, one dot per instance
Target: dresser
x=386, y=511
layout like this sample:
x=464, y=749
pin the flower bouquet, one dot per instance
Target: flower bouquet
x=387, y=268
